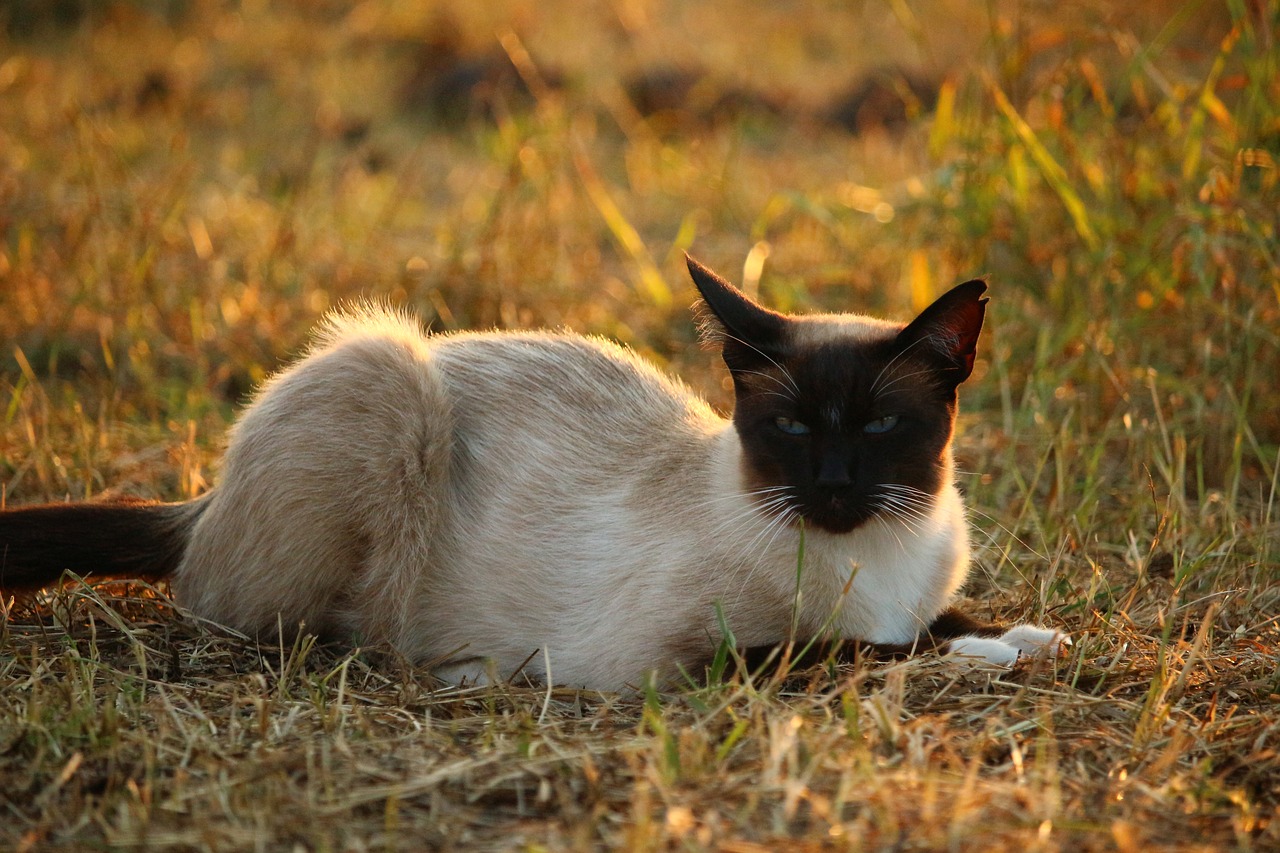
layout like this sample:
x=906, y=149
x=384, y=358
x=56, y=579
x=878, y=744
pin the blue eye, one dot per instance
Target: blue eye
x=881, y=426
x=790, y=427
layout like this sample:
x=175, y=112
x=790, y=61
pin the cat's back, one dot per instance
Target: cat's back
x=574, y=379
x=565, y=393
x=529, y=368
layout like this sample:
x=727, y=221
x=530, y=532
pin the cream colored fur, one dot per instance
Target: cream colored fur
x=482, y=500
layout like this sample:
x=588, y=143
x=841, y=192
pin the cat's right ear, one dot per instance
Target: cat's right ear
x=745, y=330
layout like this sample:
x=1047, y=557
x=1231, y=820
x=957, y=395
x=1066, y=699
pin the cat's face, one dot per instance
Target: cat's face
x=844, y=418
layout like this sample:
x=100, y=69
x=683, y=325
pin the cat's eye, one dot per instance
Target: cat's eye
x=881, y=425
x=789, y=426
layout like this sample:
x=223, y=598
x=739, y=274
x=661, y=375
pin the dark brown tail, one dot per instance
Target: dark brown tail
x=135, y=539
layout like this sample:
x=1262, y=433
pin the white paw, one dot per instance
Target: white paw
x=985, y=648
x=1034, y=641
x=1020, y=641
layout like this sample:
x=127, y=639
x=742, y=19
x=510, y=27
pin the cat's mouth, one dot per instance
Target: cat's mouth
x=837, y=512
x=844, y=511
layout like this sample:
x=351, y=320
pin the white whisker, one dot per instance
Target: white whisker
x=876, y=384
x=744, y=518
x=895, y=379
x=772, y=378
x=785, y=373
x=911, y=508
x=773, y=529
x=888, y=529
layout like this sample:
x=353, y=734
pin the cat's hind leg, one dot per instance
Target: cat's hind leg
x=331, y=491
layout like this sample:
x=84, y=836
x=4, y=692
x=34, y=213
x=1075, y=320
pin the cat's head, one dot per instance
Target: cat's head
x=844, y=417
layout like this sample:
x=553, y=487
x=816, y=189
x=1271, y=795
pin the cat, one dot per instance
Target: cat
x=487, y=502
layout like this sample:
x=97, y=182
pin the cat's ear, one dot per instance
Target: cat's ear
x=729, y=318
x=950, y=327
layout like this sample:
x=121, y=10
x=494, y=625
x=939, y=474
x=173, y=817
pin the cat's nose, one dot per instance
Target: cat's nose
x=834, y=471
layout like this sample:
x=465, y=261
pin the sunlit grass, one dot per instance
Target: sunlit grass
x=186, y=188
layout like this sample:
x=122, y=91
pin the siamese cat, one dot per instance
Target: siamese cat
x=483, y=502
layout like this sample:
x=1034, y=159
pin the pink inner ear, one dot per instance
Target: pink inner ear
x=966, y=325
x=961, y=330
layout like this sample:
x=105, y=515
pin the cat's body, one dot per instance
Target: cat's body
x=490, y=501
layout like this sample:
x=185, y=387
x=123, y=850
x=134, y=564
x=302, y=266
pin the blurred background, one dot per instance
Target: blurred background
x=187, y=186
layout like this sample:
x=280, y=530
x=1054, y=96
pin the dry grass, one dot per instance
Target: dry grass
x=186, y=187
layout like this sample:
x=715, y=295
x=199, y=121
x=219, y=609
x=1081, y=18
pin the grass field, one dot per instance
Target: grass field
x=185, y=188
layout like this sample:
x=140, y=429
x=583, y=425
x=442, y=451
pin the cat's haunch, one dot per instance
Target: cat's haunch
x=470, y=499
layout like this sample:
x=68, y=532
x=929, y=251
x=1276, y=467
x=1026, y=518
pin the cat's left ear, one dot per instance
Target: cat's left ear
x=950, y=327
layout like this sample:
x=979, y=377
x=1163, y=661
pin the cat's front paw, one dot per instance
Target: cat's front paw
x=987, y=649
x=1034, y=641
x=1017, y=643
